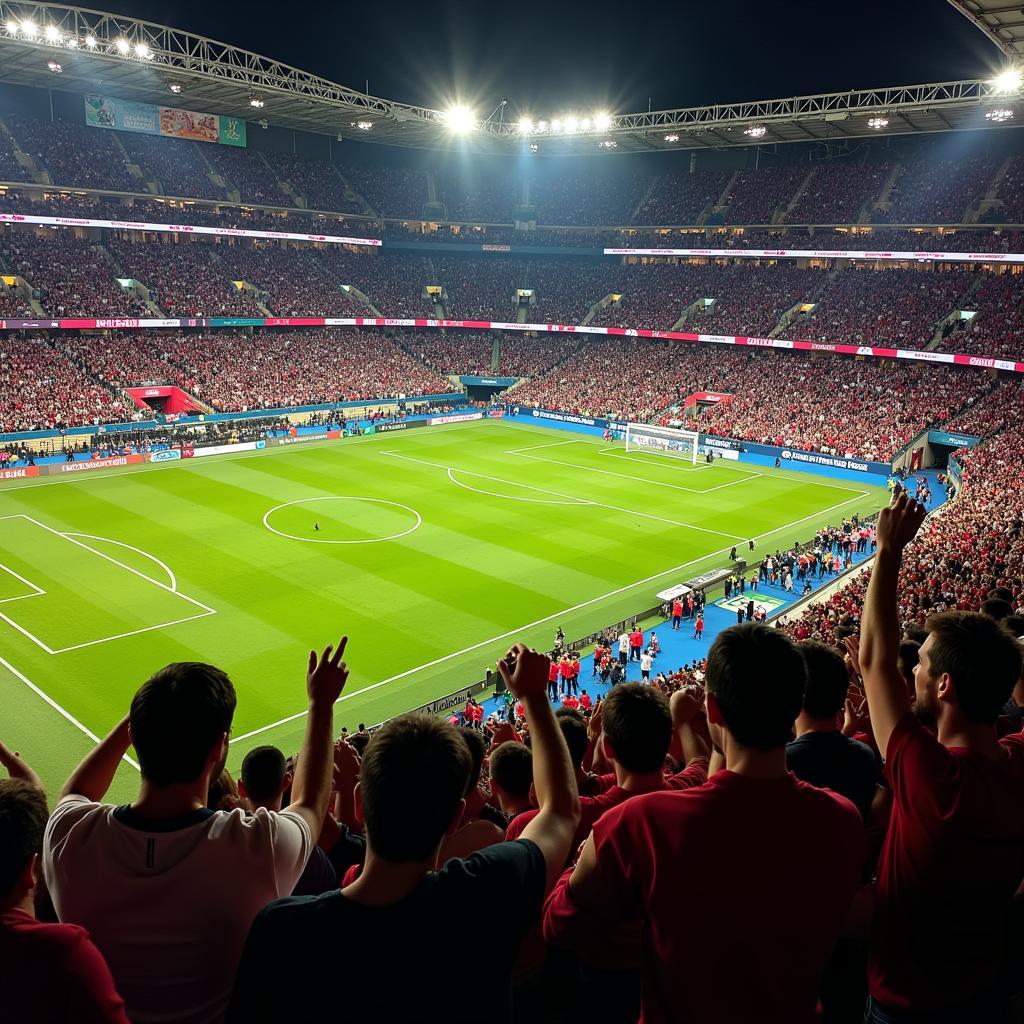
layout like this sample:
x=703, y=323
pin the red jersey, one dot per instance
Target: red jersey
x=677, y=608
x=54, y=973
x=952, y=860
x=677, y=858
x=553, y=672
x=585, y=702
x=636, y=638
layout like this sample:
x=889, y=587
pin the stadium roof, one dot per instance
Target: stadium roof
x=143, y=61
x=1002, y=22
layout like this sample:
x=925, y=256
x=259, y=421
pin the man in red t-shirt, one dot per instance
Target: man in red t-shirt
x=743, y=884
x=677, y=612
x=637, y=729
x=698, y=627
x=553, y=680
x=50, y=972
x=954, y=853
x=636, y=642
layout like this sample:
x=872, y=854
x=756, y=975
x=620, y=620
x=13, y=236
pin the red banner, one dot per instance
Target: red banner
x=17, y=474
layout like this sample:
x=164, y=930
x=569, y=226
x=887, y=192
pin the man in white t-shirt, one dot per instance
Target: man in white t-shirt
x=167, y=888
x=645, y=666
x=623, y=648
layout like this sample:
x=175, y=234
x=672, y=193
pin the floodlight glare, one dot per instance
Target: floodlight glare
x=542, y=126
x=571, y=124
x=877, y=122
x=1008, y=81
x=585, y=124
x=29, y=29
x=54, y=67
x=12, y=28
x=175, y=88
x=525, y=126
x=72, y=43
x=556, y=124
x=999, y=116
x=671, y=137
x=142, y=51
x=90, y=41
x=602, y=122
x=122, y=44
x=460, y=119
x=52, y=33
x=755, y=131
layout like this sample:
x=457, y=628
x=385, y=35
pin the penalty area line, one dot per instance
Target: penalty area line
x=56, y=707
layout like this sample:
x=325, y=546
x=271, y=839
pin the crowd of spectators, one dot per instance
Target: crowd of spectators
x=485, y=196
x=12, y=304
x=249, y=174
x=480, y=289
x=42, y=388
x=889, y=306
x=680, y=198
x=177, y=165
x=936, y=191
x=755, y=196
x=184, y=278
x=838, y=191
x=601, y=197
x=750, y=298
x=317, y=181
x=390, y=191
x=236, y=373
x=998, y=327
x=393, y=282
x=1010, y=193
x=10, y=169
x=70, y=276
x=74, y=154
x=564, y=290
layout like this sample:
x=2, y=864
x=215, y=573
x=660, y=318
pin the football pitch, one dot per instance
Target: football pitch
x=432, y=549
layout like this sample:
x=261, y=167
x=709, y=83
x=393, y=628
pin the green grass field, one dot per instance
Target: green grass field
x=435, y=548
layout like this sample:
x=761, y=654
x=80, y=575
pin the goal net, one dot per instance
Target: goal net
x=680, y=444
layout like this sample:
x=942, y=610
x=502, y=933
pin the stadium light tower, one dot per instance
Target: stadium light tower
x=1008, y=81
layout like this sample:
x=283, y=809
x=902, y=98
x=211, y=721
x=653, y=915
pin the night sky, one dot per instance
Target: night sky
x=546, y=58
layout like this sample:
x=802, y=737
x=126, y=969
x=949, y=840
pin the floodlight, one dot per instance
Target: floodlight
x=999, y=116
x=542, y=126
x=72, y=43
x=54, y=67
x=755, y=131
x=52, y=33
x=671, y=137
x=525, y=126
x=877, y=122
x=608, y=144
x=585, y=124
x=571, y=124
x=602, y=122
x=142, y=51
x=29, y=29
x=12, y=28
x=460, y=119
x=175, y=87
x=255, y=101
x=90, y=41
x=1007, y=81
x=556, y=124
x=364, y=126
x=122, y=44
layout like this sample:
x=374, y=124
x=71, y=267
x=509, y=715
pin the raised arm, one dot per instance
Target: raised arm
x=95, y=773
x=18, y=769
x=554, y=780
x=888, y=700
x=311, y=787
x=687, y=706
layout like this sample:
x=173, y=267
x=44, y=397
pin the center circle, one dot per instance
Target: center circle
x=342, y=519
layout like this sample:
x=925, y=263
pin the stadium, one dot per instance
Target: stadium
x=657, y=475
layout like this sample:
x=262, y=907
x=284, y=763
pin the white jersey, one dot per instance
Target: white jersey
x=170, y=908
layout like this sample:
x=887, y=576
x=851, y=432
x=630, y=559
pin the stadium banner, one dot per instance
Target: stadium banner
x=166, y=455
x=18, y=474
x=449, y=702
x=171, y=122
x=953, y=440
x=566, y=417
x=725, y=445
x=60, y=468
x=501, y=382
x=849, y=254
x=411, y=424
x=190, y=229
x=221, y=449
x=706, y=398
x=456, y=417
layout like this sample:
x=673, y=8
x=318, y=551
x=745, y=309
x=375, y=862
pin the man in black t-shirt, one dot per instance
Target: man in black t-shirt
x=375, y=949
x=821, y=754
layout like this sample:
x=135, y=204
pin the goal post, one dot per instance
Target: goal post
x=679, y=444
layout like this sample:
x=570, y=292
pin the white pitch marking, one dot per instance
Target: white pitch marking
x=519, y=630
x=36, y=591
x=139, y=551
x=509, y=497
x=342, y=497
x=56, y=707
x=560, y=494
x=133, y=632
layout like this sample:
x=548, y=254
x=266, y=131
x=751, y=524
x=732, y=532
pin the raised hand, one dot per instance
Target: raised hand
x=525, y=672
x=326, y=676
x=686, y=704
x=898, y=523
x=852, y=645
x=594, y=723
x=17, y=767
x=346, y=762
